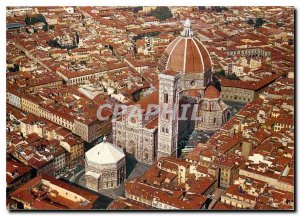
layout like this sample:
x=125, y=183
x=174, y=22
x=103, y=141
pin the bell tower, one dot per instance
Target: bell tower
x=168, y=113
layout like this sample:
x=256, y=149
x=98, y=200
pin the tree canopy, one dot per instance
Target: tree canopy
x=32, y=20
x=259, y=22
x=161, y=13
x=45, y=27
x=14, y=69
x=231, y=76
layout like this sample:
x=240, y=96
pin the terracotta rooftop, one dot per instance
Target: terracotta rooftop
x=15, y=170
x=187, y=55
x=35, y=191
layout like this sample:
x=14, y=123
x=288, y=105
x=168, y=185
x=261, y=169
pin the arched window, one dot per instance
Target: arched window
x=214, y=120
x=167, y=116
x=212, y=106
x=205, y=105
x=166, y=99
x=146, y=155
x=167, y=130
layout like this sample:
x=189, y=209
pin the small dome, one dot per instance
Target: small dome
x=211, y=93
x=193, y=93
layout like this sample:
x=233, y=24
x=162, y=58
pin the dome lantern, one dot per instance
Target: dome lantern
x=187, y=31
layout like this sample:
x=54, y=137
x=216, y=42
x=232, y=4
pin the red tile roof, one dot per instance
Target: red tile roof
x=211, y=93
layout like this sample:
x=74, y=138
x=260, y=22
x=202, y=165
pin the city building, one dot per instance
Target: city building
x=104, y=166
x=229, y=67
x=47, y=193
x=17, y=174
x=185, y=72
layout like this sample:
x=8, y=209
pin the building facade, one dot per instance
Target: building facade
x=138, y=135
x=185, y=72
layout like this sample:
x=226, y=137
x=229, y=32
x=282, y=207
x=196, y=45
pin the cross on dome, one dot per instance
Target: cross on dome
x=187, y=32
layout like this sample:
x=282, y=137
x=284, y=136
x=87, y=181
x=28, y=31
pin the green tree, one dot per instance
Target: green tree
x=32, y=20
x=27, y=20
x=14, y=69
x=161, y=13
x=259, y=22
x=46, y=27
x=40, y=18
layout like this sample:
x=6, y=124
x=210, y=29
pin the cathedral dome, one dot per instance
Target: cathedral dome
x=186, y=54
x=212, y=93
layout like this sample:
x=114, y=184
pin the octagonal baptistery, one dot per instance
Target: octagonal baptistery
x=104, y=166
x=186, y=54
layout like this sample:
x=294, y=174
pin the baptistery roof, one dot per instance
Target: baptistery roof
x=105, y=153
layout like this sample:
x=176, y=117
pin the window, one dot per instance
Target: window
x=167, y=130
x=213, y=106
x=174, y=97
x=166, y=99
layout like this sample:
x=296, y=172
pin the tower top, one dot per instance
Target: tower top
x=187, y=23
x=187, y=32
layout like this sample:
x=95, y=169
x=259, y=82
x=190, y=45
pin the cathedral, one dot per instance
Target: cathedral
x=185, y=76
